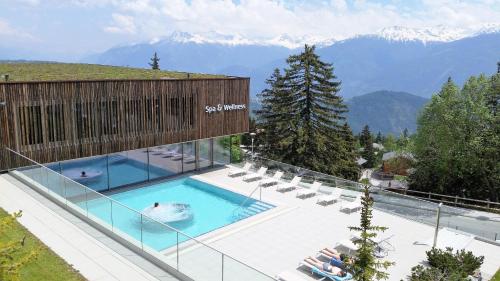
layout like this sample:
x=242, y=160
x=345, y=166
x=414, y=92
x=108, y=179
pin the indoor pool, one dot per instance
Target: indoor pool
x=103, y=173
x=210, y=207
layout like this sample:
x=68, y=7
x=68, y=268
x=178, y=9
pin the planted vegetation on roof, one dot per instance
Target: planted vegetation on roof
x=19, y=71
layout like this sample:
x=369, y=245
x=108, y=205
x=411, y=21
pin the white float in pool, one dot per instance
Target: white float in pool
x=169, y=212
x=76, y=175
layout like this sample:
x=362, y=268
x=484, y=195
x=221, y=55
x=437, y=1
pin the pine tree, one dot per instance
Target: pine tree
x=366, y=266
x=275, y=118
x=302, y=114
x=155, y=62
x=348, y=169
x=379, y=138
x=365, y=136
x=368, y=150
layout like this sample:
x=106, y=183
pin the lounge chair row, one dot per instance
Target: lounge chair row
x=302, y=193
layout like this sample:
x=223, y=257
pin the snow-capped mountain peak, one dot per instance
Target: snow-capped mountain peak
x=438, y=33
x=433, y=34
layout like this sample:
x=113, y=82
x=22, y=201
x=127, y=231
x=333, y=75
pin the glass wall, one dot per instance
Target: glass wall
x=221, y=149
x=90, y=171
x=205, y=153
x=127, y=167
x=162, y=163
x=106, y=172
x=188, y=157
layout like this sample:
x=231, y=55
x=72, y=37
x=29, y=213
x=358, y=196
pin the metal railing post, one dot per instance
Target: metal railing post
x=260, y=193
x=222, y=275
x=177, y=251
x=111, y=213
x=142, y=243
x=437, y=225
x=86, y=202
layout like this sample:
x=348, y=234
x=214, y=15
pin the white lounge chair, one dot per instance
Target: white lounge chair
x=273, y=180
x=347, y=244
x=290, y=185
x=240, y=171
x=255, y=176
x=157, y=150
x=330, y=198
x=352, y=206
x=309, y=192
x=288, y=276
x=171, y=152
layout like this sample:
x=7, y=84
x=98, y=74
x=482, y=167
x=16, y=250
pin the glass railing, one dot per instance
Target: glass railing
x=179, y=251
x=482, y=224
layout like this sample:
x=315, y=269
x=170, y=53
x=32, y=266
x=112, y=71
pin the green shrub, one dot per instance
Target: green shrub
x=460, y=261
x=444, y=265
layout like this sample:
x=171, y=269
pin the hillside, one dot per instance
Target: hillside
x=43, y=71
x=364, y=64
x=385, y=111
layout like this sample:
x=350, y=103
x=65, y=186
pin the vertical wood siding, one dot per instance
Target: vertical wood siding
x=52, y=121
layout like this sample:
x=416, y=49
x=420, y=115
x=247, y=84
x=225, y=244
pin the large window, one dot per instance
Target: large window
x=55, y=122
x=127, y=167
x=30, y=124
x=106, y=172
x=109, y=117
x=205, y=153
x=165, y=161
x=222, y=150
x=189, y=159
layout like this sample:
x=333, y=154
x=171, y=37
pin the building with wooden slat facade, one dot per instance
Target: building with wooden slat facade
x=54, y=121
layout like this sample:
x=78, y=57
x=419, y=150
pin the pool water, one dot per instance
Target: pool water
x=212, y=208
x=106, y=173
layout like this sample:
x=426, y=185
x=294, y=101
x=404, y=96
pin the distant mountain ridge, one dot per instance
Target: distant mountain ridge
x=385, y=111
x=363, y=64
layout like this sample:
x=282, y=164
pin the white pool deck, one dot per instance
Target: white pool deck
x=279, y=243
x=272, y=242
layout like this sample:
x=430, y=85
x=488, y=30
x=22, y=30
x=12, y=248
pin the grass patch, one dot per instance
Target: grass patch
x=497, y=276
x=47, y=266
x=43, y=71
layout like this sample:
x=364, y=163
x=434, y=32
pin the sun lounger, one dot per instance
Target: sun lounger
x=240, y=171
x=309, y=192
x=330, y=276
x=171, y=152
x=255, y=176
x=289, y=186
x=330, y=198
x=347, y=244
x=352, y=206
x=273, y=180
x=156, y=150
x=288, y=276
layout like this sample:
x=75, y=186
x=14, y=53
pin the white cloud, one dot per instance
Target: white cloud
x=257, y=19
x=9, y=32
x=122, y=24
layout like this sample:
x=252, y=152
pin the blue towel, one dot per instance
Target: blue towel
x=331, y=276
x=337, y=263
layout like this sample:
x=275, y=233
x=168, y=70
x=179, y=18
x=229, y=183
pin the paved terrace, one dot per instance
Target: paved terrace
x=283, y=239
x=96, y=256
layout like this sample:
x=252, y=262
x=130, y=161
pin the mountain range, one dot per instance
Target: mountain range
x=385, y=112
x=417, y=61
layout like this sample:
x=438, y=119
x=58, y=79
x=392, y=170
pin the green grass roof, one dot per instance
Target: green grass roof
x=20, y=71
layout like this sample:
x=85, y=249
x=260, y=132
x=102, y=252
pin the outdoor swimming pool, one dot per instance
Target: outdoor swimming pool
x=212, y=207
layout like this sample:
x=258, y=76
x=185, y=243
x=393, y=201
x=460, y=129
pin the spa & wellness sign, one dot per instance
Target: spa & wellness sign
x=224, y=107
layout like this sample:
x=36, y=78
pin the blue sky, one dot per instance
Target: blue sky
x=68, y=29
